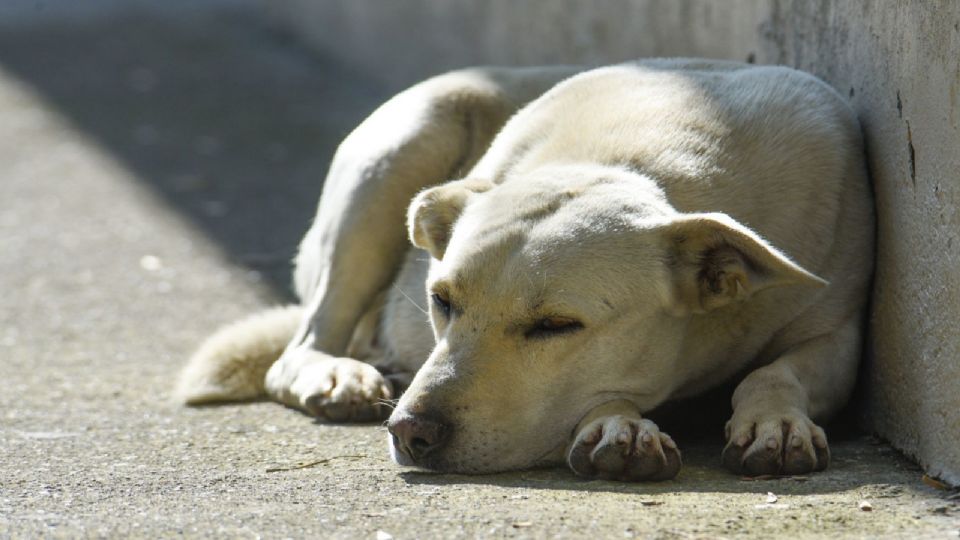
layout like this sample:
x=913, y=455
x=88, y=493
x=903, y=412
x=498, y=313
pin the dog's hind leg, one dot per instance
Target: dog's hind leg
x=426, y=135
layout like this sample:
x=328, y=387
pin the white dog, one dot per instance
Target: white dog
x=591, y=245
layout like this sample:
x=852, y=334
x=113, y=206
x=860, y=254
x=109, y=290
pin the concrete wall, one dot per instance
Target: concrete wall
x=899, y=63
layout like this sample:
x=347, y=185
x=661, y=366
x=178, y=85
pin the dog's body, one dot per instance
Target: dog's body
x=618, y=238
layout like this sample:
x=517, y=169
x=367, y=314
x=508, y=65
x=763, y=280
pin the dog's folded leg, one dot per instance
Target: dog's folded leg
x=424, y=136
x=328, y=387
x=771, y=431
x=615, y=442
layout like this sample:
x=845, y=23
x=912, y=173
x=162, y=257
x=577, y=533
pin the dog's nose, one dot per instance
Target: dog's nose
x=417, y=436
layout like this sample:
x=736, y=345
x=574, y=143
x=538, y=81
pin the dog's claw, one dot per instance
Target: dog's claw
x=623, y=448
x=786, y=444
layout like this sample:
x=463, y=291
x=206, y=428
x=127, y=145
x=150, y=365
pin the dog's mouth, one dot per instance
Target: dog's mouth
x=440, y=462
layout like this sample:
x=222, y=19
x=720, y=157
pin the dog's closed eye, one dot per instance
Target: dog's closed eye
x=552, y=327
x=442, y=302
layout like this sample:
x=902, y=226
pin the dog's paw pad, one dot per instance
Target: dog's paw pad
x=623, y=448
x=786, y=444
x=342, y=390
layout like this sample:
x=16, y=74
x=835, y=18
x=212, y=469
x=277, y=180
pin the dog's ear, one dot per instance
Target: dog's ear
x=715, y=260
x=433, y=212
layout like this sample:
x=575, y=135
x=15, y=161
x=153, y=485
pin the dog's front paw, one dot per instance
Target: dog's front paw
x=775, y=444
x=341, y=390
x=624, y=448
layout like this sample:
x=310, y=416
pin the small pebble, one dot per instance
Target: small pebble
x=151, y=263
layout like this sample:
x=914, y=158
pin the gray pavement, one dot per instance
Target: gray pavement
x=157, y=166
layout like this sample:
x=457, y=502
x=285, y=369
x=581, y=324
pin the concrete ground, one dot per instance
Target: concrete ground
x=157, y=166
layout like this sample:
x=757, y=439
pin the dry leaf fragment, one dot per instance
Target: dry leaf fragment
x=651, y=503
x=865, y=506
x=308, y=464
x=763, y=477
x=759, y=477
x=933, y=482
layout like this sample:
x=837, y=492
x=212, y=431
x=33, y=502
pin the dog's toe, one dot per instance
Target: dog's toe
x=655, y=457
x=579, y=456
x=763, y=457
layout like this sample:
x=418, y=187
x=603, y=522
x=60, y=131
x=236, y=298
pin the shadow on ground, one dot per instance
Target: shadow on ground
x=697, y=426
x=218, y=114
x=702, y=473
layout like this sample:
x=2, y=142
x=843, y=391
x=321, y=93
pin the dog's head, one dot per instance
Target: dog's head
x=553, y=294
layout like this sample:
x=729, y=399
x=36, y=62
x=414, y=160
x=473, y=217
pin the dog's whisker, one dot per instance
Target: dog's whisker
x=412, y=301
x=391, y=403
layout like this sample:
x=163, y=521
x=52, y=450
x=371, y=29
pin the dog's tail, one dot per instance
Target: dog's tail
x=232, y=363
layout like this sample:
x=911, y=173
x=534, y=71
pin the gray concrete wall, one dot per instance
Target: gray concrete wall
x=899, y=63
